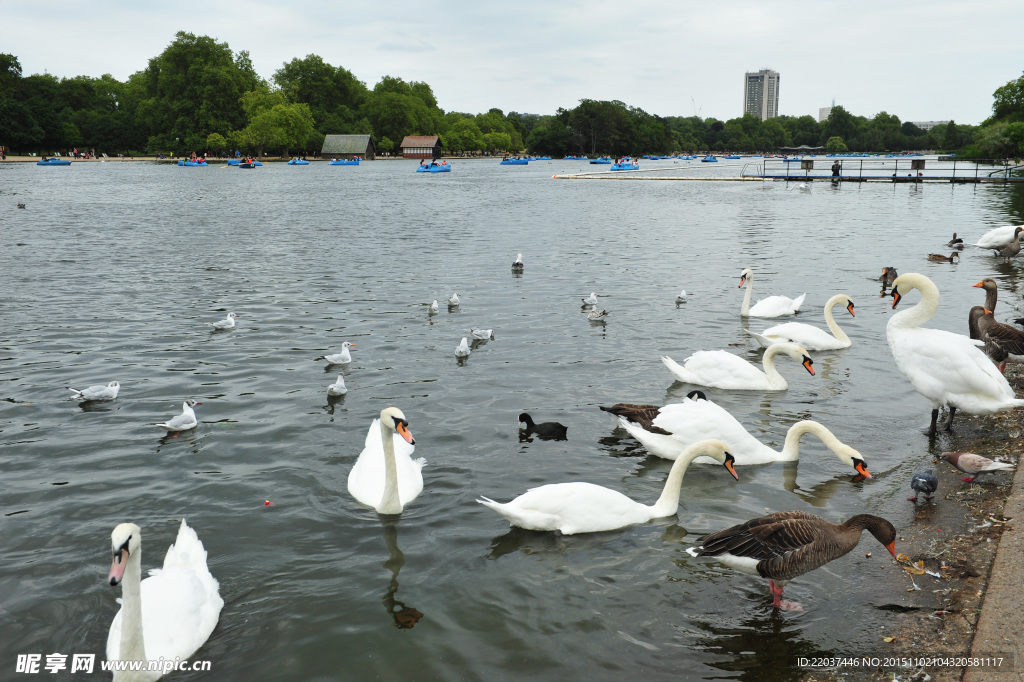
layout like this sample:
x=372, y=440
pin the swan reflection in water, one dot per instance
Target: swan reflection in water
x=819, y=494
x=405, y=617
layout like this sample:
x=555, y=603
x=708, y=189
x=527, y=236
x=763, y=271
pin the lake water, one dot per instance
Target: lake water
x=113, y=268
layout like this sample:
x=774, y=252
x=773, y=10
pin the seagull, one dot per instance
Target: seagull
x=338, y=387
x=681, y=298
x=589, y=300
x=108, y=392
x=453, y=300
x=462, y=350
x=517, y=264
x=596, y=314
x=482, y=334
x=923, y=483
x=433, y=308
x=227, y=323
x=972, y=464
x=184, y=421
x=342, y=358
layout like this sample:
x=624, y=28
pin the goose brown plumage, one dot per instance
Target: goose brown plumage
x=1006, y=336
x=1008, y=251
x=644, y=415
x=992, y=348
x=888, y=276
x=956, y=242
x=991, y=293
x=784, y=545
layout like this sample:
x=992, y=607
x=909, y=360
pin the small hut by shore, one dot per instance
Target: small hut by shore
x=421, y=147
x=348, y=147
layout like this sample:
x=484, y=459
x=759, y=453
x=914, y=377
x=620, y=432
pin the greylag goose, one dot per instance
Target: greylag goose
x=992, y=349
x=991, y=292
x=1010, y=250
x=547, y=430
x=923, y=483
x=974, y=465
x=1008, y=338
x=784, y=545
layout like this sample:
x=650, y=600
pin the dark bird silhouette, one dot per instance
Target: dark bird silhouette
x=888, y=276
x=783, y=545
x=955, y=242
x=644, y=415
x=517, y=264
x=21, y=205
x=940, y=257
x=923, y=483
x=546, y=430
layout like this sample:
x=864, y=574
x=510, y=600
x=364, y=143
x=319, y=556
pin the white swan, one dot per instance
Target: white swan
x=721, y=369
x=773, y=306
x=385, y=476
x=587, y=508
x=807, y=336
x=691, y=420
x=997, y=237
x=946, y=368
x=170, y=614
x=462, y=350
x=342, y=358
x=184, y=421
x=338, y=387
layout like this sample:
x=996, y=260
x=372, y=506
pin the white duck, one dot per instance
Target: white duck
x=587, y=508
x=773, y=306
x=811, y=338
x=722, y=369
x=454, y=301
x=385, y=476
x=338, y=387
x=462, y=350
x=98, y=393
x=184, y=421
x=433, y=308
x=693, y=420
x=998, y=237
x=227, y=323
x=946, y=368
x=170, y=614
x=342, y=358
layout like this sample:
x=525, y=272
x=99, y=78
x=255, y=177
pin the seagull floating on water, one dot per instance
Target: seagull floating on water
x=462, y=350
x=590, y=300
x=433, y=308
x=227, y=323
x=184, y=421
x=108, y=392
x=517, y=264
x=338, y=387
x=342, y=358
x=454, y=301
x=482, y=334
x=681, y=298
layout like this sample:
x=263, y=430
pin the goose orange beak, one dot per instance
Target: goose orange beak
x=979, y=284
x=403, y=431
x=117, y=568
x=892, y=548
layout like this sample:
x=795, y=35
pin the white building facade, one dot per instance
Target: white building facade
x=761, y=93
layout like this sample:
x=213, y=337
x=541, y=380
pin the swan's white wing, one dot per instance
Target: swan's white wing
x=948, y=368
x=719, y=369
x=996, y=237
x=366, y=480
x=776, y=306
x=694, y=420
x=658, y=444
x=572, y=508
x=811, y=338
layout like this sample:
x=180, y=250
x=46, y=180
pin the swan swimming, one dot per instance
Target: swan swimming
x=385, y=476
x=807, y=336
x=721, y=369
x=773, y=306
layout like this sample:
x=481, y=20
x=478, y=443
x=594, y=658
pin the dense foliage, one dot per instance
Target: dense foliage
x=198, y=95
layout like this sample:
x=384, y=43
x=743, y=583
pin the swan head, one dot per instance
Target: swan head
x=798, y=353
x=852, y=457
x=909, y=281
x=849, y=307
x=125, y=541
x=718, y=451
x=394, y=419
x=746, y=274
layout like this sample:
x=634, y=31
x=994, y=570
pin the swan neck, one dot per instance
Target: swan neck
x=132, y=646
x=791, y=450
x=745, y=309
x=668, y=503
x=389, y=503
x=830, y=319
x=924, y=310
x=775, y=379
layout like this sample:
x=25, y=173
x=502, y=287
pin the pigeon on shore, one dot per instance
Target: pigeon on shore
x=972, y=464
x=923, y=483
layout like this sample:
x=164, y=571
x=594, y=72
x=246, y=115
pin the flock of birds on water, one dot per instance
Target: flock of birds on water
x=171, y=613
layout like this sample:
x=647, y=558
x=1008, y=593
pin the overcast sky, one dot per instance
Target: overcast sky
x=919, y=60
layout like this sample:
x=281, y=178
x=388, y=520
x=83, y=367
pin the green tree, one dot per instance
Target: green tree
x=1008, y=102
x=835, y=145
x=549, y=136
x=216, y=143
x=386, y=145
x=951, y=136
x=838, y=124
x=333, y=94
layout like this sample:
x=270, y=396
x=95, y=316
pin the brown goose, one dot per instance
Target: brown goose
x=783, y=545
x=992, y=349
x=644, y=415
x=940, y=257
x=1008, y=251
x=1008, y=337
x=991, y=293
